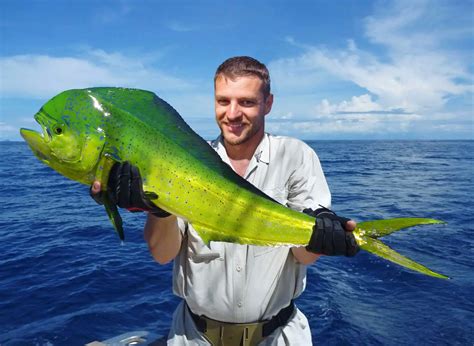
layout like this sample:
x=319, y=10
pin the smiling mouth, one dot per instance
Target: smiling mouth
x=235, y=127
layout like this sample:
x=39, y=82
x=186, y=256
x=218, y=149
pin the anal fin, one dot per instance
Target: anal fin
x=208, y=235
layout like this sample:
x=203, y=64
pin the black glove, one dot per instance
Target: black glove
x=125, y=189
x=329, y=237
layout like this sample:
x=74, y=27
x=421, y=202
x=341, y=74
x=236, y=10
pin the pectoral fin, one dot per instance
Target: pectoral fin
x=114, y=217
x=102, y=175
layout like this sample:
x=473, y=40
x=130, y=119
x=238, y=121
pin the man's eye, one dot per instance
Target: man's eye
x=247, y=103
x=223, y=102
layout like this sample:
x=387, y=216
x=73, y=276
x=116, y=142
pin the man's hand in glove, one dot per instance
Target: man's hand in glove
x=125, y=189
x=332, y=235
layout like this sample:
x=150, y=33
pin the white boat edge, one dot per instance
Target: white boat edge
x=135, y=338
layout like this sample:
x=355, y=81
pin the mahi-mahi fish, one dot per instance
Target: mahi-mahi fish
x=85, y=131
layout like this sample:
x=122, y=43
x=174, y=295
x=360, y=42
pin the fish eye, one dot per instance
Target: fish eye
x=57, y=130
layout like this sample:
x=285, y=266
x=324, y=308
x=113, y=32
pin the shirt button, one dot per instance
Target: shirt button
x=239, y=304
x=239, y=268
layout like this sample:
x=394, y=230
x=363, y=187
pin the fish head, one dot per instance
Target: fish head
x=72, y=138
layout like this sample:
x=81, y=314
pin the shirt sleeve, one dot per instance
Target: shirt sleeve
x=307, y=185
x=182, y=226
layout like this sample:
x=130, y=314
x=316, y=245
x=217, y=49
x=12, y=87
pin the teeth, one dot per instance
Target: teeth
x=46, y=134
x=41, y=119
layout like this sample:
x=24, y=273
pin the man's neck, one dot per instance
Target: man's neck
x=241, y=154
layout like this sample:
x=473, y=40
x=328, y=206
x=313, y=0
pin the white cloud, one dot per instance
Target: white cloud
x=43, y=76
x=357, y=104
x=412, y=82
x=295, y=75
x=418, y=70
x=347, y=123
x=7, y=131
x=416, y=26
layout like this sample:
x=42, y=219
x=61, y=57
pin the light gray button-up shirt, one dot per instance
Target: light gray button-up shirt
x=245, y=283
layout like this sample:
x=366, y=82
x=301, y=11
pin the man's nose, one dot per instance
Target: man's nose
x=234, y=111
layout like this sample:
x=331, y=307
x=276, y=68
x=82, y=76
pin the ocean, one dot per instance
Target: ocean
x=65, y=278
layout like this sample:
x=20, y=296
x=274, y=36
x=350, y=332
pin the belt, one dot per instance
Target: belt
x=223, y=333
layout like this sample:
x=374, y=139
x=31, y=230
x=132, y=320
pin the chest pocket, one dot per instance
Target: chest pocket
x=199, y=252
x=205, y=255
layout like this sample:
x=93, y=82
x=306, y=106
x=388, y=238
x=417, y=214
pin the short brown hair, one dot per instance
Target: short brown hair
x=241, y=66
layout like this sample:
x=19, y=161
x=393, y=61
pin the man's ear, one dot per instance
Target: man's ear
x=268, y=103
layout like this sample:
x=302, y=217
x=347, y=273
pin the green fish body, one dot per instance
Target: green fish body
x=86, y=131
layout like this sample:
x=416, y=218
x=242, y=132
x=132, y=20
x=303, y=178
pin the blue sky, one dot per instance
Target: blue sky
x=340, y=69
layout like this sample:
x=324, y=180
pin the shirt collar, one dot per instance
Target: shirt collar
x=262, y=153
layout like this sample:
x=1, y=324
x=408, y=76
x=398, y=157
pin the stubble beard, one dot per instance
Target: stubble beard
x=252, y=131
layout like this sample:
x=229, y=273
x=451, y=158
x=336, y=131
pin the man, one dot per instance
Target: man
x=242, y=294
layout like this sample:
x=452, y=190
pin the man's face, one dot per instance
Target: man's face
x=241, y=108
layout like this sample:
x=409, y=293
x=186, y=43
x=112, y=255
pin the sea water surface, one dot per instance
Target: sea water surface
x=65, y=279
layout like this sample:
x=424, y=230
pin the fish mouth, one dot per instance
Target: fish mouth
x=42, y=119
x=38, y=143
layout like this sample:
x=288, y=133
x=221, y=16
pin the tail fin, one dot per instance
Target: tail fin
x=367, y=232
x=382, y=250
x=380, y=228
